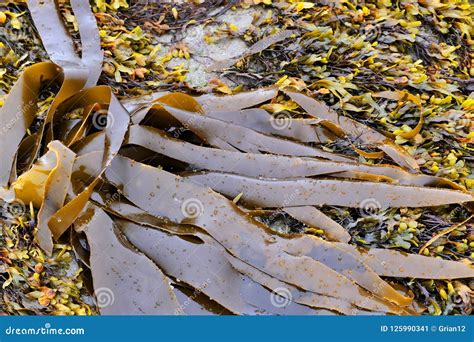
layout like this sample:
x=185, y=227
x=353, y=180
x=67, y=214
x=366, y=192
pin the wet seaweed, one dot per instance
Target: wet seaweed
x=216, y=196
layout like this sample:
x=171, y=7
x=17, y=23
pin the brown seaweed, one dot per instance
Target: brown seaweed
x=232, y=137
x=59, y=44
x=265, y=165
x=261, y=121
x=251, y=245
x=19, y=111
x=55, y=184
x=269, y=193
x=118, y=270
x=315, y=218
x=205, y=267
x=154, y=235
x=392, y=263
x=211, y=102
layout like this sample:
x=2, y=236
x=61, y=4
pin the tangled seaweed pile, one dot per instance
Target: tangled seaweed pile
x=177, y=201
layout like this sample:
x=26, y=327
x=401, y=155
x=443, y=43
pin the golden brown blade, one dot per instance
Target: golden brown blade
x=191, y=203
x=269, y=193
x=391, y=263
x=315, y=218
x=263, y=165
x=125, y=281
x=19, y=110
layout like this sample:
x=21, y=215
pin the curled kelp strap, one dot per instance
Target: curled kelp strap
x=53, y=33
x=181, y=101
x=30, y=186
x=66, y=129
x=59, y=44
x=56, y=188
x=77, y=72
x=132, y=282
x=78, y=132
x=391, y=263
x=269, y=193
x=23, y=98
x=113, y=120
x=191, y=203
x=261, y=165
x=368, y=155
x=114, y=123
x=74, y=77
x=164, y=118
x=60, y=48
x=356, y=129
x=19, y=110
x=46, y=185
x=315, y=218
x=91, y=54
x=90, y=143
x=114, y=128
x=65, y=216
